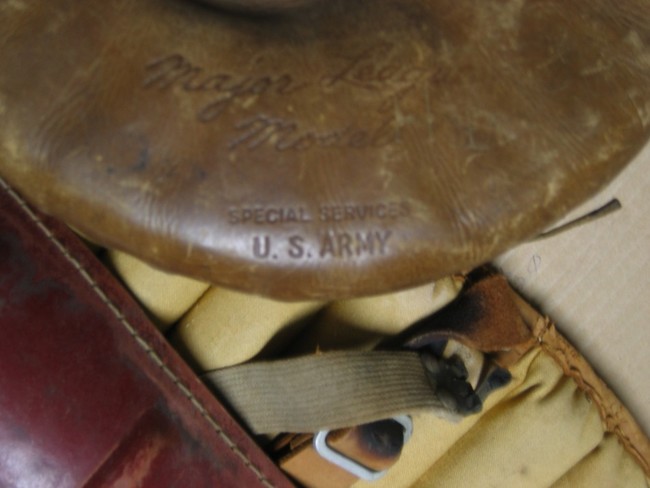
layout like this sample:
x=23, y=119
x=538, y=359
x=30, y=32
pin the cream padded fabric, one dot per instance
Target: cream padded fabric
x=609, y=466
x=165, y=296
x=539, y=431
x=227, y=327
x=361, y=322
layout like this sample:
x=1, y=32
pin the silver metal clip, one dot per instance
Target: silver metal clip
x=349, y=465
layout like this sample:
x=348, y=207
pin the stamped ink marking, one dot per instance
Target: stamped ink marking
x=381, y=211
x=320, y=243
x=330, y=245
x=261, y=246
x=266, y=247
x=297, y=247
x=261, y=215
x=391, y=210
x=344, y=245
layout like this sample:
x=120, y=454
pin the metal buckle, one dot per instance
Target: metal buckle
x=350, y=465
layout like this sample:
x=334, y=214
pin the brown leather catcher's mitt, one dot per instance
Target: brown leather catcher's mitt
x=339, y=148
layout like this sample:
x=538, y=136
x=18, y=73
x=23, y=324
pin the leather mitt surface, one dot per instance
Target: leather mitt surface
x=338, y=149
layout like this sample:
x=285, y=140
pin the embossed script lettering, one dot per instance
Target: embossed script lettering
x=380, y=68
x=376, y=68
x=176, y=71
x=286, y=135
x=258, y=108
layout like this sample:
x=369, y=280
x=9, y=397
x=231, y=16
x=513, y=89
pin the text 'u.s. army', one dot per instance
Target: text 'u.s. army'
x=329, y=245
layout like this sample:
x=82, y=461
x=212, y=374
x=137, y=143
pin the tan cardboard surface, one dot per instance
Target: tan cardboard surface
x=594, y=282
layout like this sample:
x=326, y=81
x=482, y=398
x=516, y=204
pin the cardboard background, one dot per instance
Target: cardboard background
x=594, y=282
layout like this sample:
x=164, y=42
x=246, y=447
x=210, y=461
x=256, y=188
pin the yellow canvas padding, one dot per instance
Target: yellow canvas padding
x=165, y=296
x=362, y=322
x=540, y=431
x=227, y=327
x=535, y=435
x=552, y=426
x=433, y=437
x=608, y=466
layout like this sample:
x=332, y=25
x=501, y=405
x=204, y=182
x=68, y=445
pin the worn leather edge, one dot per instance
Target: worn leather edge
x=153, y=344
x=614, y=415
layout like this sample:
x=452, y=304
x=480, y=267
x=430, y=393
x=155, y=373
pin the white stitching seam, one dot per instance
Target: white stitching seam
x=148, y=349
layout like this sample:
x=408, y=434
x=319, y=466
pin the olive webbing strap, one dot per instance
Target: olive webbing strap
x=331, y=390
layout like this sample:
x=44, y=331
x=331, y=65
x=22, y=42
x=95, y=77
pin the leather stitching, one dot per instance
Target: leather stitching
x=611, y=420
x=132, y=331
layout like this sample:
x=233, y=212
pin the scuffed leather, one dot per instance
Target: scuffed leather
x=345, y=149
x=91, y=394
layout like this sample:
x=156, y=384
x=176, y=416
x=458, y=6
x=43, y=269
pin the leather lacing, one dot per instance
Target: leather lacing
x=615, y=417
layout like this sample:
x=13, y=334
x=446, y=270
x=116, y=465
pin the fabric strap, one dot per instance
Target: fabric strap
x=341, y=389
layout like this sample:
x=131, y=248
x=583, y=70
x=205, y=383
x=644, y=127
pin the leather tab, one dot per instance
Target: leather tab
x=484, y=317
